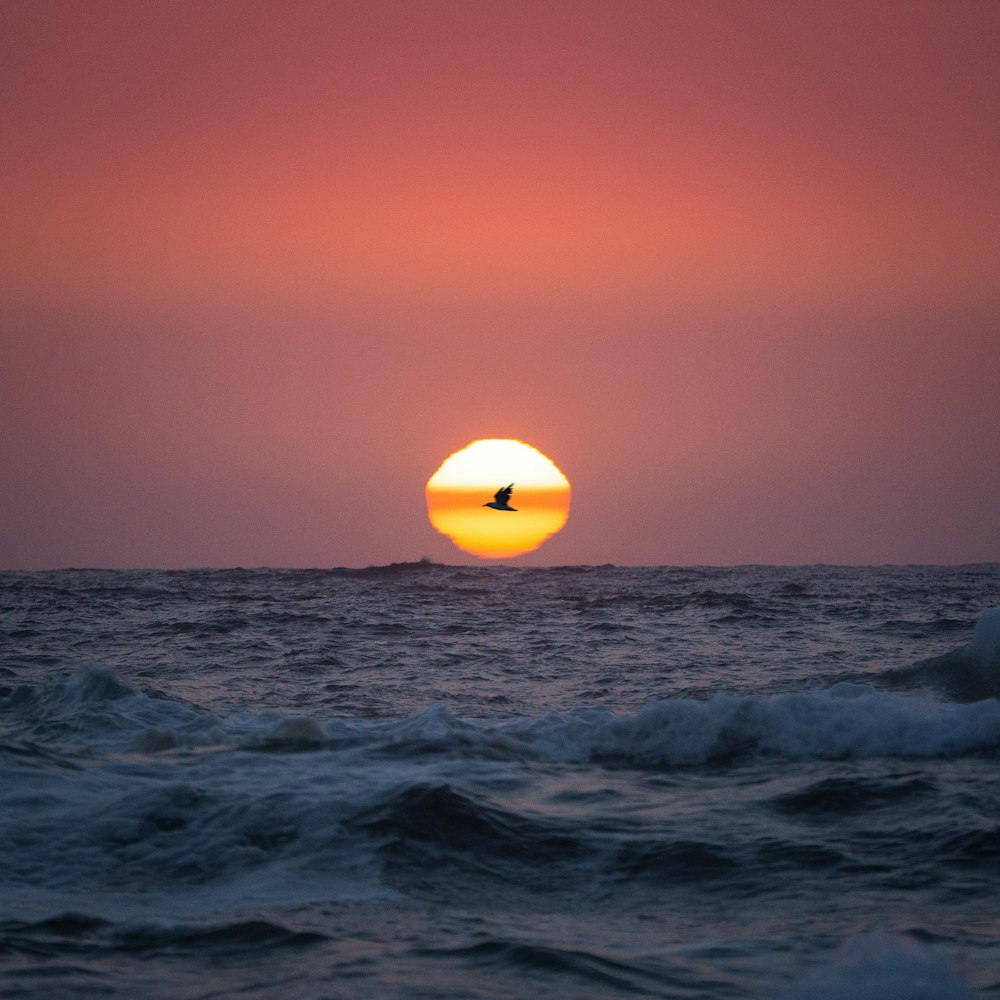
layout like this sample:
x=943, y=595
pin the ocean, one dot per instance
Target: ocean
x=430, y=781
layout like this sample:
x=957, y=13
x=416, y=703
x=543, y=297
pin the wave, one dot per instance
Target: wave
x=971, y=673
x=883, y=966
x=293, y=810
x=847, y=721
x=428, y=827
x=588, y=967
x=71, y=932
x=95, y=710
x=856, y=795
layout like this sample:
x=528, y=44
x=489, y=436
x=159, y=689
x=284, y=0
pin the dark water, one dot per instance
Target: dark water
x=422, y=781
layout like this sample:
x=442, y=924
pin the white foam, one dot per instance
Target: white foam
x=882, y=966
x=984, y=650
x=844, y=722
x=93, y=708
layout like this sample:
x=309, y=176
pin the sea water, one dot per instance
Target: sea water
x=425, y=781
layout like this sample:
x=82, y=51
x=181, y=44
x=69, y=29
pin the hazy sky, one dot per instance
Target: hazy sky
x=732, y=266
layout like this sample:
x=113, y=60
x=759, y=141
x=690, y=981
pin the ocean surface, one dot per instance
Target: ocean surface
x=427, y=781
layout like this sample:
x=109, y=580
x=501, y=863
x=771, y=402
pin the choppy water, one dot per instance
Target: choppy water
x=423, y=781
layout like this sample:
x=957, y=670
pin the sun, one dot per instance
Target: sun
x=468, y=479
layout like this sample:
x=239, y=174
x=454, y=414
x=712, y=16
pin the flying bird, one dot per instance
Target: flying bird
x=501, y=498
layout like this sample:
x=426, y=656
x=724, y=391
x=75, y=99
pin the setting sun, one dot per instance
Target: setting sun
x=466, y=481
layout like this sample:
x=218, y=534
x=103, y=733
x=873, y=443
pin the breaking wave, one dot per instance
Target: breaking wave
x=971, y=673
x=95, y=710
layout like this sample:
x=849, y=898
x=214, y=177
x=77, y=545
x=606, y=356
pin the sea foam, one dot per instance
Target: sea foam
x=882, y=966
x=984, y=650
x=846, y=721
x=970, y=673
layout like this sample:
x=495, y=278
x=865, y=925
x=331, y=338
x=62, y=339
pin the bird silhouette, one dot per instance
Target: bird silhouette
x=501, y=498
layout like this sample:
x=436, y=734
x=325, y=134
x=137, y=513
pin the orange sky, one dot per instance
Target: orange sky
x=265, y=265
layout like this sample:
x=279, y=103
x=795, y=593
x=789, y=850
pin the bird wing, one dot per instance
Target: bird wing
x=503, y=495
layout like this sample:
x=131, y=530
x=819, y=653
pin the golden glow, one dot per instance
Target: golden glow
x=469, y=478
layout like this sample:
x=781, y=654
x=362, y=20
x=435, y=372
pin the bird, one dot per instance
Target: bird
x=501, y=498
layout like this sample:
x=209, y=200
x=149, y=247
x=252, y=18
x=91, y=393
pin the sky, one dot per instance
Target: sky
x=732, y=267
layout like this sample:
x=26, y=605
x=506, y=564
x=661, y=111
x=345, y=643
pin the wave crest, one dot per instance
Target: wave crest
x=971, y=673
x=95, y=710
x=845, y=722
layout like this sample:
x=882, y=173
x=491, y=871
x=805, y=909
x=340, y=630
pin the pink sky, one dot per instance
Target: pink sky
x=733, y=267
